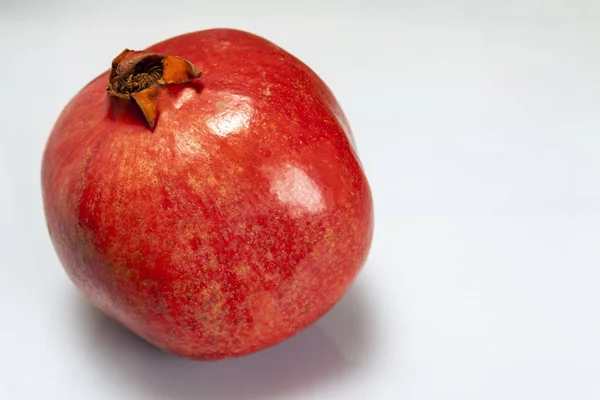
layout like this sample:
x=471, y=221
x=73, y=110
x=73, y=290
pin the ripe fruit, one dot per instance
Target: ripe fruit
x=228, y=214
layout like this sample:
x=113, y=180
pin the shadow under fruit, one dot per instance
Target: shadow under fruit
x=211, y=200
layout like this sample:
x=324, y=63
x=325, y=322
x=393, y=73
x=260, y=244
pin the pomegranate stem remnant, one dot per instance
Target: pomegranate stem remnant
x=138, y=75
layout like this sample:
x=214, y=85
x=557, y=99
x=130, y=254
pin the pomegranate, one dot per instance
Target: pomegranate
x=206, y=194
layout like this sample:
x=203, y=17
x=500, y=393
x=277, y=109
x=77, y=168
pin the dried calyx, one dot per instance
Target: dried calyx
x=137, y=76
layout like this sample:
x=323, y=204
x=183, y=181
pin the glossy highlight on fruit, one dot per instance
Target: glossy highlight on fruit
x=237, y=219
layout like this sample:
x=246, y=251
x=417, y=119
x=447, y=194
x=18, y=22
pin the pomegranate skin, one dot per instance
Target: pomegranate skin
x=242, y=218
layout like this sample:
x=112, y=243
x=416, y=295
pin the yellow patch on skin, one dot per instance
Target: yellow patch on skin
x=270, y=276
x=122, y=270
x=195, y=185
x=243, y=270
x=211, y=180
x=192, y=181
x=329, y=234
x=241, y=227
x=183, y=289
x=128, y=274
x=212, y=299
x=203, y=236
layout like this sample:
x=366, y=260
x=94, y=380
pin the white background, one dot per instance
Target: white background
x=478, y=124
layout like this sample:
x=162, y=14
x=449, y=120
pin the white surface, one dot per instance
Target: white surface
x=478, y=126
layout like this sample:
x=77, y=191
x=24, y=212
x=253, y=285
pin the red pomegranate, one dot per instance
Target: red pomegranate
x=212, y=215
